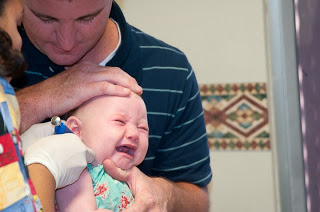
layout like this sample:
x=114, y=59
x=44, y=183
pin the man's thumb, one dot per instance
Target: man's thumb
x=115, y=172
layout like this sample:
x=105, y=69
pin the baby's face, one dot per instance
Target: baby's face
x=115, y=128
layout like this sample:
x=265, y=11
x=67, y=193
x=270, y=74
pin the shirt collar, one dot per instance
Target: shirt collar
x=128, y=56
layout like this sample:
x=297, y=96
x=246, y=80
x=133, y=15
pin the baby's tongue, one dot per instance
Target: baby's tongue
x=123, y=149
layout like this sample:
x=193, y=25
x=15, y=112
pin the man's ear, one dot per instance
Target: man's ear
x=74, y=124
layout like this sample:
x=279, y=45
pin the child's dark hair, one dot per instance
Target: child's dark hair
x=12, y=63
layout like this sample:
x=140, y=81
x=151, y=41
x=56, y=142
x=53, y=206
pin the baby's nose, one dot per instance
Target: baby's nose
x=132, y=134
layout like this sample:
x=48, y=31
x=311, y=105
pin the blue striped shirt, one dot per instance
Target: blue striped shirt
x=178, y=148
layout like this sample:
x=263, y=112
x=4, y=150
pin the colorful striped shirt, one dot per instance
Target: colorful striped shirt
x=16, y=190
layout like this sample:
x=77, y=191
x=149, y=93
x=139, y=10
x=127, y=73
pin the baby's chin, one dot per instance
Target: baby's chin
x=123, y=163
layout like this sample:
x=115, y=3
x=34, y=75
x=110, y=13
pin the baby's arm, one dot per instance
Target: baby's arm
x=78, y=196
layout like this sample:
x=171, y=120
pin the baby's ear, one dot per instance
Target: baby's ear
x=74, y=124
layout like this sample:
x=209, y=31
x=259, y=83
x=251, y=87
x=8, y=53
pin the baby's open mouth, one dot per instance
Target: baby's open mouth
x=125, y=149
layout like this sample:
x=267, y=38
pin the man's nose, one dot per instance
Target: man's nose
x=66, y=36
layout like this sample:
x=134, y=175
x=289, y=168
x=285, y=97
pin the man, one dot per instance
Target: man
x=67, y=39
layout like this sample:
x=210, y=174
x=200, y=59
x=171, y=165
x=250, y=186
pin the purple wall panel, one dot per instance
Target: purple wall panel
x=308, y=53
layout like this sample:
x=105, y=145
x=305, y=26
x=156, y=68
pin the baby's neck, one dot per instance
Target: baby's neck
x=95, y=163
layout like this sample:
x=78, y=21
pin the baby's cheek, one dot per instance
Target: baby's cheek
x=141, y=155
x=91, y=140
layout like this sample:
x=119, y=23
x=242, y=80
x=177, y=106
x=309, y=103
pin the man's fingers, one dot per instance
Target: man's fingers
x=117, y=76
x=135, y=207
x=106, y=88
x=143, y=202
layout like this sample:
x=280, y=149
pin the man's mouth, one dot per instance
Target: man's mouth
x=125, y=149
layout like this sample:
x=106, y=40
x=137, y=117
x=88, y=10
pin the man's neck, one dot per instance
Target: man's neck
x=107, y=43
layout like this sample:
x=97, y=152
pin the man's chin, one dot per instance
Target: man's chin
x=63, y=61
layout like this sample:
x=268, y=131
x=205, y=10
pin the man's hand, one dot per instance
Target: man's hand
x=151, y=194
x=158, y=194
x=69, y=89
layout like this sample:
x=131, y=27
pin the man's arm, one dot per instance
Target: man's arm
x=189, y=197
x=69, y=89
x=172, y=196
x=159, y=194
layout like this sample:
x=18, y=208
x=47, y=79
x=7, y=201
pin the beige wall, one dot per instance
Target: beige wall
x=225, y=41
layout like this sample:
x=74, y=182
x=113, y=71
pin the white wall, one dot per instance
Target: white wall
x=225, y=41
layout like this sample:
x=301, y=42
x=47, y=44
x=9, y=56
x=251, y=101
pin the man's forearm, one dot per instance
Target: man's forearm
x=188, y=197
x=32, y=107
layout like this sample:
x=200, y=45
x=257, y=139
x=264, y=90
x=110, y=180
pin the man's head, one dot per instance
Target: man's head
x=66, y=30
x=114, y=127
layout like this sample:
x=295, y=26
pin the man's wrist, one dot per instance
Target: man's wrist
x=170, y=191
x=29, y=105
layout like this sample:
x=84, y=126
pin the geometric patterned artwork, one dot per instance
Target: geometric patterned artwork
x=236, y=116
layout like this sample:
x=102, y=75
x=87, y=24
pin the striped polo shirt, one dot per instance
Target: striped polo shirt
x=178, y=147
